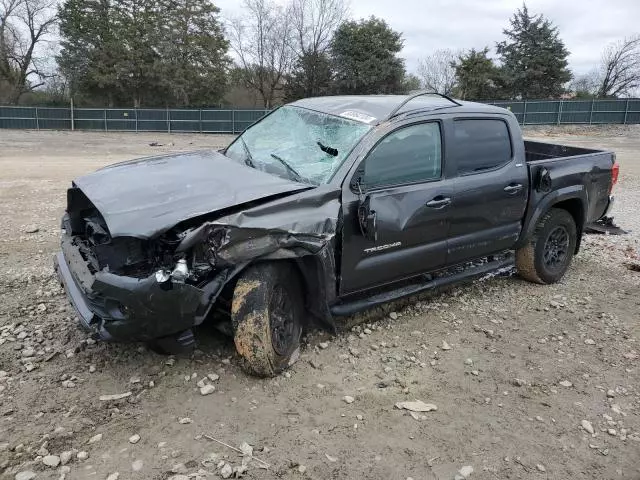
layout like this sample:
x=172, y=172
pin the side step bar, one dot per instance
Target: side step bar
x=349, y=308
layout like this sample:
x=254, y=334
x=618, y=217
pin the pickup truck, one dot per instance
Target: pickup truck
x=322, y=208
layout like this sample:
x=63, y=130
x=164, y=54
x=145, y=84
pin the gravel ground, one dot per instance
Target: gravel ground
x=529, y=381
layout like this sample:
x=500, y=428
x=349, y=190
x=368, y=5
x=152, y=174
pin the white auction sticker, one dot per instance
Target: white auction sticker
x=360, y=117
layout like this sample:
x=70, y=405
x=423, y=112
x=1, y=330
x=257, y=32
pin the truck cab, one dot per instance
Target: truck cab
x=442, y=187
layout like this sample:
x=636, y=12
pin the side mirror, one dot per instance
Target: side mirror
x=367, y=219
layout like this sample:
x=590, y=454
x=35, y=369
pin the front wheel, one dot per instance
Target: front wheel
x=266, y=312
x=548, y=254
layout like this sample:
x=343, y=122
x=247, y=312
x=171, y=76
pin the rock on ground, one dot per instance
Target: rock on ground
x=25, y=475
x=51, y=460
x=586, y=424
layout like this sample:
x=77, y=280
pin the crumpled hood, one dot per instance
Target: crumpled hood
x=143, y=198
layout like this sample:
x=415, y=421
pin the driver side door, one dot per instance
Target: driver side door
x=408, y=199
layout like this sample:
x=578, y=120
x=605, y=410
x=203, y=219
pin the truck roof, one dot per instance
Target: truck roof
x=377, y=108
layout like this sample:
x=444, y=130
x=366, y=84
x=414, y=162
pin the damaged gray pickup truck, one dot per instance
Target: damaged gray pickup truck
x=325, y=207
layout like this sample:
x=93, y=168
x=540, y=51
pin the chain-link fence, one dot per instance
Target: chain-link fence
x=130, y=120
x=559, y=112
x=530, y=112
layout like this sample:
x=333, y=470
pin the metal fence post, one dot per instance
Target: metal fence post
x=168, y=120
x=524, y=115
x=200, y=110
x=37, y=120
x=135, y=110
x=593, y=102
x=233, y=122
x=106, y=126
x=73, y=123
x=626, y=111
x=560, y=112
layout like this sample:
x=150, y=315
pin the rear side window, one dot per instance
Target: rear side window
x=408, y=155
x=481, y=144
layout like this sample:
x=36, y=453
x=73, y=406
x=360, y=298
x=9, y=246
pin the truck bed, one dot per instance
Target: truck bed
x=536, y=151
x=556, y=170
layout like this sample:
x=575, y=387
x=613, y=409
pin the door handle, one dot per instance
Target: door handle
x=513, y=188
x=439, y=202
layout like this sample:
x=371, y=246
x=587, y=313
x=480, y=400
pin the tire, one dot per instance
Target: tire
x=266, y=313
x=548, y=254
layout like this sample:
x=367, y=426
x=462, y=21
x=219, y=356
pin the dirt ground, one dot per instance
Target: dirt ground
x=530, y=369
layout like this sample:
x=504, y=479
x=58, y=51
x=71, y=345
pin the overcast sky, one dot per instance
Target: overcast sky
x=585, y=26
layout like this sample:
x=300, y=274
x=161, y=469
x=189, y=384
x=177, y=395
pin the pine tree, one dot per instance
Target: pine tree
x=89, y=43
x=534, y=58
x=311, y=77
x=143, y=52
x=477, y=76
x=365, y=58
x=194, y=53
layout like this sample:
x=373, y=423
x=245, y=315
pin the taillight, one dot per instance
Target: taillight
x=615, y=172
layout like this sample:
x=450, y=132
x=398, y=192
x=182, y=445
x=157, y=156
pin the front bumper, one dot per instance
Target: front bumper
x=122, y=308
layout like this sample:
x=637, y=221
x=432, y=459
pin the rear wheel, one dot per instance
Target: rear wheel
x=547, y=256
x=266, y=313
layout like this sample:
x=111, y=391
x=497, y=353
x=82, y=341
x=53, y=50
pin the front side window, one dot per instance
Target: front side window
x=408, y=155
x=481, y=144
x=298, y=144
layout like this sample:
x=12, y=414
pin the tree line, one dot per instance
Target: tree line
x=177, y=53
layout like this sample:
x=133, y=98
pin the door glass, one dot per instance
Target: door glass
x=481, y=144
x=408, y=155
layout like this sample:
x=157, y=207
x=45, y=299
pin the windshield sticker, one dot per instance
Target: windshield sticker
x=360, y=117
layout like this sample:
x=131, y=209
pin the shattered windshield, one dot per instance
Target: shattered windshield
x=298, y=144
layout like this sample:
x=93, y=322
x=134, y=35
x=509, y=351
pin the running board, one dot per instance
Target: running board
x=349, y=308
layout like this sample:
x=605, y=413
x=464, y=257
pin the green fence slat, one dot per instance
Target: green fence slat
x=185, y=125
x=193, y=115
x=17, y=112
x=21, y=123
x=145, y=114
x=121, y=125
x=84, y=124
x=120, y=114
x=54, y=124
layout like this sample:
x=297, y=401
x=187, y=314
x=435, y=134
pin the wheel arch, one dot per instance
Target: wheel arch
x=576, y=208
x=572, y=199
x=316, y=273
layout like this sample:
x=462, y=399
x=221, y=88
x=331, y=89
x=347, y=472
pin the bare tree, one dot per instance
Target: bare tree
x=24, y=27
x=586, y=84
x=620, y=68
x=314, y=22
x=261, y=39
x=7, y=47
x=437, y=71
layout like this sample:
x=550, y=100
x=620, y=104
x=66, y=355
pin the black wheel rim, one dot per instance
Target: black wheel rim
x=556, y=247
x=282, y=321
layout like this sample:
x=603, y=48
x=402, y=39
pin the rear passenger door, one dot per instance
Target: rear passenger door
x=491, y=187
x=402, y=179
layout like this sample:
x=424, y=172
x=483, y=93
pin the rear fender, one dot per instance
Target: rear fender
x=563, y=197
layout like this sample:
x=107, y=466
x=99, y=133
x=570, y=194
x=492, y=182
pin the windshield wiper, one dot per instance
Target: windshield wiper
x=330, y=150
x=249, y=160
x=297, y=176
